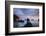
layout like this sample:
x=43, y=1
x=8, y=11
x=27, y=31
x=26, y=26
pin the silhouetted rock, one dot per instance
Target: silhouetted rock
x=29, y=24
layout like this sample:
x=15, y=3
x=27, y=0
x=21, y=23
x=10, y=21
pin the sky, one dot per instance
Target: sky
x=26, y=11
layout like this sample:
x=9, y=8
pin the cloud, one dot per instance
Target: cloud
x=18, y=12
x=24, y=11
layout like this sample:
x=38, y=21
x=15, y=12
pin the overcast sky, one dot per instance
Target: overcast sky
x=26, y=11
